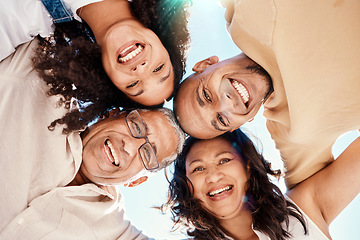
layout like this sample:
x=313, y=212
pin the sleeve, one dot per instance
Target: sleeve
x=301, y=160
x=19, y=63
x=78, y=212
x=74, y=5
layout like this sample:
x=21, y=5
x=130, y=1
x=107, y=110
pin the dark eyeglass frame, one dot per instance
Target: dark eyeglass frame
x=133, y=119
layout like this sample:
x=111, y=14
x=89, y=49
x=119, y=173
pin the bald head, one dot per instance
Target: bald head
x=220, y=96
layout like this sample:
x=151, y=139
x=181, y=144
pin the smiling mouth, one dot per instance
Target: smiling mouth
x=244, y=94
x=110, y=153
x=220, y=191
x=130, y=52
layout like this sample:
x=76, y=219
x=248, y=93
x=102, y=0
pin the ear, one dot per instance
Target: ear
x=137, y=182
x=248, y=167
x=200, y=66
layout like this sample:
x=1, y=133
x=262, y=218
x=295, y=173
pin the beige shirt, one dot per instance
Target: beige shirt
x=311, y=49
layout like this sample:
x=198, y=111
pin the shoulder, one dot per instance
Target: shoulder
x=20, y=62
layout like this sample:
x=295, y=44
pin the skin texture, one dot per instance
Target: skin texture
x=147, y=78
x=212, y=165
x=207, y=170
x=208, y=103
x=98, y=168
x=315, y=196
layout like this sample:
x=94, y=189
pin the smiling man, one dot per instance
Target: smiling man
x=123, y=149
x=311, y=51
x=64, y=183
x=118, y=149
x=221, y=96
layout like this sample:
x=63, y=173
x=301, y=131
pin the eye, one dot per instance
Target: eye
x=135, y=127
x=159, y=68
x=206, y=95
x=198, y=169
x=147, y=155
x=133, y=84
x=221, y=120
x=224, y=160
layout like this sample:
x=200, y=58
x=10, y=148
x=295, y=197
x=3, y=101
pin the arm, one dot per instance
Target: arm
x=78, y=212
x=324, y=195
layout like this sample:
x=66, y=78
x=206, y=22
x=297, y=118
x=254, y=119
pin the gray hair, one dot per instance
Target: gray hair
x=169, y=114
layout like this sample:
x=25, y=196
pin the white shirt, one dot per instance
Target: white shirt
x=296, y=229
x=37, y=163
x=77, y=212
x=33, y=159
x=22, y=20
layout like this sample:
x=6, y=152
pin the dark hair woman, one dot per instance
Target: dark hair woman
x=144, y=51
x=221, y=190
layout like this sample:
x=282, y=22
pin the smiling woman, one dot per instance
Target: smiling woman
x=133, y=55
x=217, y=182
x=221, y=189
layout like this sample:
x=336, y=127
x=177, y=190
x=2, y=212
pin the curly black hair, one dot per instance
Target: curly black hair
x=70, y=61
x=266, y=202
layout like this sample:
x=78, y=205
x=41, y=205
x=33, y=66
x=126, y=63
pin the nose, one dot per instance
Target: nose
x=141, y=67
x=226, y=103
x=214, y=175
x=131, y=145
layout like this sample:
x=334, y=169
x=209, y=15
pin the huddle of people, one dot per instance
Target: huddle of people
x=82, y=106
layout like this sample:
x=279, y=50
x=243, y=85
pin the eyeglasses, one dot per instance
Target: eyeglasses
x=137, y=129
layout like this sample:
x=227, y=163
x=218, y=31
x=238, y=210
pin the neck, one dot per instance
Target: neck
x=100, y=16
x=240, y=227
x=79, y=179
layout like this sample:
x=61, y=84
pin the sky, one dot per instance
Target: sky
x=208, y=38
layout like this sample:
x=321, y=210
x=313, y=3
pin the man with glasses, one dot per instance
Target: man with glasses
x=61, y=186
x=122, y=149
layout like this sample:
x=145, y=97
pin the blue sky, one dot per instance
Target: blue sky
x=209, y=37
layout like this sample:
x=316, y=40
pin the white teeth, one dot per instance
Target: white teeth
x=112, y=154
x=241, y=90
x=219, y=191
x=126, y=49
x=131, y=54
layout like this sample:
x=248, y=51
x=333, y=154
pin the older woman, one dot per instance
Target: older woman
x=221, y=189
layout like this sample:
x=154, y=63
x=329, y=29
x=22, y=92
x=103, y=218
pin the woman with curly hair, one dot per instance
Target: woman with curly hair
x=124, y=54
x=221, y=190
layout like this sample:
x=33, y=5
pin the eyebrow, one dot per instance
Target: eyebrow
x=194, y=161
x=137, y=94
x=166, y=77
x=223, y=152
x=160, y=81
x=214, y=123
x=154, y=147
x=147, y=133
x=198, y=99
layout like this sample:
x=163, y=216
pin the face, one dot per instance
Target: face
x=137, y=63
x=220, y=96
x=218, y=175
x=110, y=153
